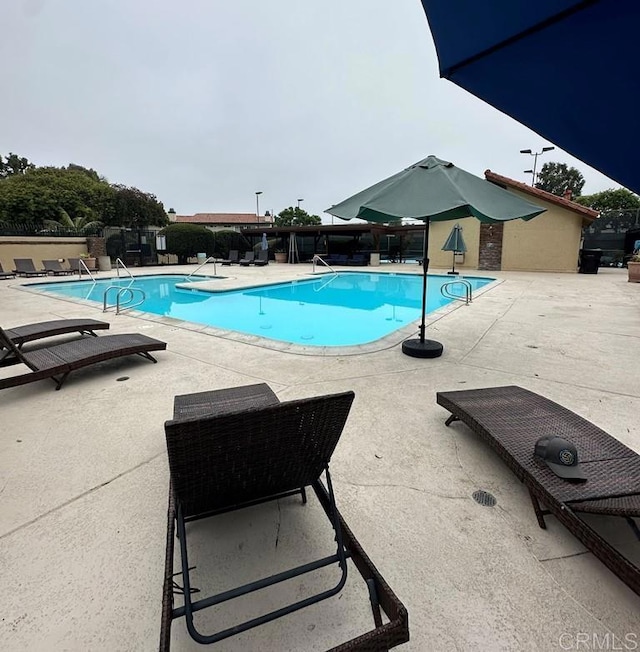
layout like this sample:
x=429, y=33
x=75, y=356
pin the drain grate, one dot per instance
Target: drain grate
x=484, y=498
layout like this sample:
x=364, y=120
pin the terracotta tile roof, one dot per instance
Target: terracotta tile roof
x=588, y=214
x=223, y=218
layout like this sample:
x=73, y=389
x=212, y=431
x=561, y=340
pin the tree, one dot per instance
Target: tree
x=296, y=217
x=187, y=240
x=613, y=199
x=556, y=178
x=136, y=209
x=14, y=164
x=42, y=193
x=31, y=196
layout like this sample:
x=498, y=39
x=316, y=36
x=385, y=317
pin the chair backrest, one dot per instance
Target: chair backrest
x=249, y=255
x=74, y=263
x=7, y=343
x=53, y=265
x=233, y=255
x=263, y=254
x=233, y=458
x=24, y=265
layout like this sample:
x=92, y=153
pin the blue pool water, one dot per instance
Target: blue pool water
x=331, y=310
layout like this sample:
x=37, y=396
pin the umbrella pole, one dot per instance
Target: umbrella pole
x=453, y=265
x=423, y=348
x=425, y=269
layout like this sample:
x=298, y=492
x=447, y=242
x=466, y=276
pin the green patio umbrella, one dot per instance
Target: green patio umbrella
x=437, y=190
x=455, y=243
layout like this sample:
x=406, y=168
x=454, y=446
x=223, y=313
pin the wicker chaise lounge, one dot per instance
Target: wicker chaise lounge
x=25, y=267
x=54, y=267
x=235, y=448
x=5, y=275
x=233, y=257
x=19, y=335
x=247, y=259
x=58, y=361
x=512, y=419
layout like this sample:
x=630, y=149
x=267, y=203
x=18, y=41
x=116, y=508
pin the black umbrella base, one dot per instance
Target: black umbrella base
x=456, y=273
x=426, y=349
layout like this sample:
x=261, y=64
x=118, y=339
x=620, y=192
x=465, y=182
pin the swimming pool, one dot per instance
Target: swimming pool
x=344, y=309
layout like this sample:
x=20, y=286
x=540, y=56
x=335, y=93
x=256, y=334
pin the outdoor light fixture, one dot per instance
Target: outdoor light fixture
x=535, y=161
x=258, y=193
x=299, y=200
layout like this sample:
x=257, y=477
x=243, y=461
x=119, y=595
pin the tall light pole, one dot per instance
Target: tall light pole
x=258, y=193
x=299, y=200
x=535, y=161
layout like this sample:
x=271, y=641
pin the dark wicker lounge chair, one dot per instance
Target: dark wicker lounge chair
x=5, y=275
x=247, y=259
x=74, y=265
x=233, y=258
x=54, y=267
x=58, y=361
x=25, y=267
x=235, y=448
x=512, y=419
x=37, y=331
x=262, y=259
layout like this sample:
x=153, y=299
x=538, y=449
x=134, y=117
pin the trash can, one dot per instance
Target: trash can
x=589, y=261
x=104, y=263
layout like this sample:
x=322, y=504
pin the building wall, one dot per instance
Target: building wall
x=39, y=249
x=438, y=234
x=547, y=243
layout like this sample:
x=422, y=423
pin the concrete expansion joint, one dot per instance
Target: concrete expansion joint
x=386, y=485
x=569, y=556
x=80, y=496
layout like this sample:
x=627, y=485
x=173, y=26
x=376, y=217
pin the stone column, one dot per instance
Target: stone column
x=490, y=252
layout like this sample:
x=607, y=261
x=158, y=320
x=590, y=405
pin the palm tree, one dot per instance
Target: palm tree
x=80, y=223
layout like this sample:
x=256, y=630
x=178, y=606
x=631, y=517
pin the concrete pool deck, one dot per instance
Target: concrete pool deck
x=83, y=478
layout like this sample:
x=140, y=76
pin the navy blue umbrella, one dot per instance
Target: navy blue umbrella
x=568, y=69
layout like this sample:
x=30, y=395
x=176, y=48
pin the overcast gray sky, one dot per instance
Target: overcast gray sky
x=204, y=102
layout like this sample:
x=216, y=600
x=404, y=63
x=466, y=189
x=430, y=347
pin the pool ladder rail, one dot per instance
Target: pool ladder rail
x=319, y=259
x=447, y=290
x=122, y=301
x=120, y=304
x=210, y=259
x=120, y=265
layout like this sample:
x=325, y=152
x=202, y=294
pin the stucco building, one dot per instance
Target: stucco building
x=547, y=243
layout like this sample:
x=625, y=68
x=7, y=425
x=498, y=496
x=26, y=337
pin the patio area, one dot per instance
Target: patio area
x=84, y=478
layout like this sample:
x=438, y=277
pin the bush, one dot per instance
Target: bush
x=115, y=246
x=188, y=240
x=225, y=241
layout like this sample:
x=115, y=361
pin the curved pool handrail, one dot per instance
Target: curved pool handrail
x=446, y=290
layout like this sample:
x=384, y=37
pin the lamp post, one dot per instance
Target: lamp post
x=258, y=193
x=535, y=161
x=299, y=200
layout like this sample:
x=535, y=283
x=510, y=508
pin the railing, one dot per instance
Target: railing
x=446, y=290
x=120, y=306
x=82, y=264
x=316, y=259
x=209, y=260
x=120, y=265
